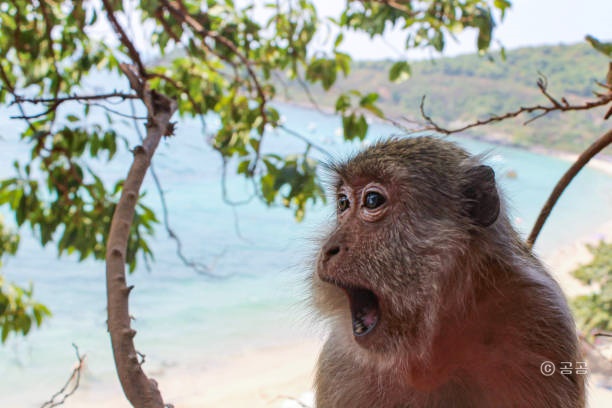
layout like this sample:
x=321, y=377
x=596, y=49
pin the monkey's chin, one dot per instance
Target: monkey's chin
x=365, y=311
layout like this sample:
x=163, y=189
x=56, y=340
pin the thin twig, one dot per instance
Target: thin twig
x=11, y=89
x=180, y=88
x=305, y=140
x=306, y=90
x=580, y=162
x=70, y=386
x=55, y=102
x=197, y=266
x=74, y=97
x=180, y=13
x=602, y=333
x=542, y=110
x=125, y=40
x=114, y=111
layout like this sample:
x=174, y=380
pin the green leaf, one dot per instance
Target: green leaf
x=369, y=99
x=400, y=72
x=343, y=103
x=5, y=332
x=603, y=47
x=338, y=41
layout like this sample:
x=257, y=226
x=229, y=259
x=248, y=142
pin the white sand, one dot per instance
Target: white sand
x=262, y=378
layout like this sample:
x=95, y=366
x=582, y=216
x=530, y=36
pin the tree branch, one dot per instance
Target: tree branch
x=74, y=97
x=54, y=103
x=140, y=390
x=542, y=110
x=127, y=43
x=197, y=266
x=7, y=83
x=582, y=160
x=181, y=15
x=74, y=379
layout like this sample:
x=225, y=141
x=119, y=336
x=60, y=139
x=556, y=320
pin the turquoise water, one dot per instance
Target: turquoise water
x=185, y=319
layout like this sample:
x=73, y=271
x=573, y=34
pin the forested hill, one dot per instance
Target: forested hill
x=465, y=88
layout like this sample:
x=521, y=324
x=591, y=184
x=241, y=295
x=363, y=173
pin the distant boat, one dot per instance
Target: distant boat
x=511, y=174
x=498, y=158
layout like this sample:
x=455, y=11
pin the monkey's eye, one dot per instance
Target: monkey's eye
x=373, y=200
x=343, y=202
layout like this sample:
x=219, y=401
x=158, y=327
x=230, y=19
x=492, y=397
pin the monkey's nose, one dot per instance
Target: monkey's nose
x=330, y=251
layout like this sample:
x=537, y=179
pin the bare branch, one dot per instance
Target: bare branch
x=542, y=83
x=114, y=111
x=127, y=43
x=602, y=333
x=197, y=107
x=305, y=140
x=582, y=160
x=54, y=103
x=70, y=386
x=74, y=97
x=306, y=90
x=197, y=266
x=11, y=89
x=542, y=110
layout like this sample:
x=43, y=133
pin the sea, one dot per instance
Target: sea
x=259, y=257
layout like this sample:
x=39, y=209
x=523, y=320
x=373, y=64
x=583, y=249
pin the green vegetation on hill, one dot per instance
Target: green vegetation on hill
x=462, y=89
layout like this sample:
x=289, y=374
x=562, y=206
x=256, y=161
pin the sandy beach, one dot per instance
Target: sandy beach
x=273, y=377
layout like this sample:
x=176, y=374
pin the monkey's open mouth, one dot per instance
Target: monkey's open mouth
x=364, y=310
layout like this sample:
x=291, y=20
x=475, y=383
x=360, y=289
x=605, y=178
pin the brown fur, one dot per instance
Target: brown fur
x=467, y=313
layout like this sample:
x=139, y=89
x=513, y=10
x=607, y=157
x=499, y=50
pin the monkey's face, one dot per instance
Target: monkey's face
x=377, y=263
x=403, y=221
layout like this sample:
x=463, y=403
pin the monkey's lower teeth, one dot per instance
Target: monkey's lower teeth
x=364, y=310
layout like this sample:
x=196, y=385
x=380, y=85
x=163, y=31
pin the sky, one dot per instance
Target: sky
x=527, y=23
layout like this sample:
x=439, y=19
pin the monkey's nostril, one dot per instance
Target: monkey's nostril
x=332, y=251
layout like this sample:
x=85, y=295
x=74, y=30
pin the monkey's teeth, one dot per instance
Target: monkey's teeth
x=364, y=309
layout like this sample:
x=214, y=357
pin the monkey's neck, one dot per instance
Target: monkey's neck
x=487, y=323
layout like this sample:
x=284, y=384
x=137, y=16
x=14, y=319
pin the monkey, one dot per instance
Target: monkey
x=432, y=298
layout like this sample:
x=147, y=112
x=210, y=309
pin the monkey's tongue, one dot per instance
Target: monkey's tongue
x=364, y=310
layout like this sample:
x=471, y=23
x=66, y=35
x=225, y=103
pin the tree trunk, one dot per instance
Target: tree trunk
x=141, y=391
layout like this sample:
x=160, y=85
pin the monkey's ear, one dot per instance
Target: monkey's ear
x=481, y=201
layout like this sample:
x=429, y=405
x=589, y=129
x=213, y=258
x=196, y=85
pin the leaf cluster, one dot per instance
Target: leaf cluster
x=594, y=311
x=18, y=312
x=219, y=60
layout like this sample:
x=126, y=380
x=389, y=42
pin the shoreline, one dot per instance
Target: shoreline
x=278, y=376
x=561, y=261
